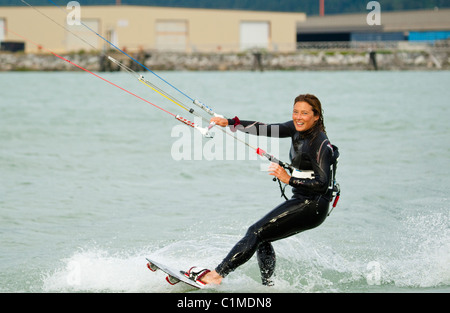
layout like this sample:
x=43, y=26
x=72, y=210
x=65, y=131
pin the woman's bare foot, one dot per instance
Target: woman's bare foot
x=212, y=278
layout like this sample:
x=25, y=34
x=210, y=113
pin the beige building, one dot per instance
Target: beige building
x=151, y=28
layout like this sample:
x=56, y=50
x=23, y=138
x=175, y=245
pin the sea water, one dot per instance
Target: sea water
x=94, y=180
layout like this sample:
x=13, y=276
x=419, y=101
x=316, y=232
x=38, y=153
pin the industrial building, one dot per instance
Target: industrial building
x=188, y=30
x=426, y=26
x=151, y=28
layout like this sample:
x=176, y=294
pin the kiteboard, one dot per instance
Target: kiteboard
x=173, y=276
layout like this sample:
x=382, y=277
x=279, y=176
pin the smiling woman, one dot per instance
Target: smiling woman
x=307, y=111
x=315, y=158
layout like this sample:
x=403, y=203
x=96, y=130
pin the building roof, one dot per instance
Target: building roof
x=420, y=20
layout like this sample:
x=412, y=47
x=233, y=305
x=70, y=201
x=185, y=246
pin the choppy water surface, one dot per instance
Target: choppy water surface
x=92, y=182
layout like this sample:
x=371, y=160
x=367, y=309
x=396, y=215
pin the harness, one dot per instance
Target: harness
x=307, y=174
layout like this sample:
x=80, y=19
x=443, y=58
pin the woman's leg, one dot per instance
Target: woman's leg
x=266, y=262
x=289, y=218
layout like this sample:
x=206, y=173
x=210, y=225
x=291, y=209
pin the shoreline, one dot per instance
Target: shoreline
x=322, y=60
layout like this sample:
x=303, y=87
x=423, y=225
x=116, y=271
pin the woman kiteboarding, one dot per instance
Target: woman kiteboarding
x=314, y=161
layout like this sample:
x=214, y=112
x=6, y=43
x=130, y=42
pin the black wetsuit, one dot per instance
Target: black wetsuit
x=308, y=206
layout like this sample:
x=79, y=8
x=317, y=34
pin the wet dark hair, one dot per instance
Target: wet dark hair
x=314, y=102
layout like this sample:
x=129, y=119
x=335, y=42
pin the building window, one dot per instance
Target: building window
x=254, y=35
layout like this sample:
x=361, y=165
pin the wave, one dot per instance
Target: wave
x=416, y=261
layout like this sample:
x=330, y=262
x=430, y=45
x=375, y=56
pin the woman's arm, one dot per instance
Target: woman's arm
x=280, y=130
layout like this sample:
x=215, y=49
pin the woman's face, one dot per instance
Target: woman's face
x=303, y=116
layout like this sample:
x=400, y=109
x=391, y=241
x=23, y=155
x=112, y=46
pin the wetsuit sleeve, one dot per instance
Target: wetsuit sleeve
x=322, y=171
x=280, y=130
